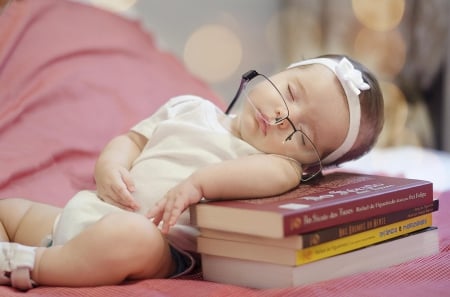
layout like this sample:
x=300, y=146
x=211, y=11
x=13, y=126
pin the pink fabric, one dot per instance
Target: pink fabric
x=428, y=276
x=72, y=77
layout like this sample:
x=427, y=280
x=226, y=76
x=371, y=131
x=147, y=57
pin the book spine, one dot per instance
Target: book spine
x=363, y=239
x=347, y=229
x=356, y=209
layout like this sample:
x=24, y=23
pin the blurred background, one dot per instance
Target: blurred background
x=406, y=43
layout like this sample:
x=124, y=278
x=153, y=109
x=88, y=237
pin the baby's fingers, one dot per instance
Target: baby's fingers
x=125, y=198
x=167, y=211
x=156, y=213
x=172, y=211
x=127, y=180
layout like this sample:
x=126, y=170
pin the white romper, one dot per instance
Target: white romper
x=184, y=134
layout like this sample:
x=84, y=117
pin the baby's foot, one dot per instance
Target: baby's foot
x=16, y=263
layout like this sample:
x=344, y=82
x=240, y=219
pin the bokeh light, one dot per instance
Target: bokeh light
x=383, y=52
x=3, y=5
x=213, y=52
x=395, y=114
x=379, y=15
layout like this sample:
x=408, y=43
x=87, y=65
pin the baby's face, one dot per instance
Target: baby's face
x=316, y=104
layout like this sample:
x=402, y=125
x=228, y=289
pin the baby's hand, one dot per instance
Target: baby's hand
x=174, y=203
x=115, y=185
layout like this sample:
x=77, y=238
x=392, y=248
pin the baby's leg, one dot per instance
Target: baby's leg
x=120, y=246
x=25, y=221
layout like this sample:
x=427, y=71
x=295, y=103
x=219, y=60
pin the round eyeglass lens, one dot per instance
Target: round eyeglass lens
x=266, y=100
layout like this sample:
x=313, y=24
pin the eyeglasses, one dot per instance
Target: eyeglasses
x=257, y=88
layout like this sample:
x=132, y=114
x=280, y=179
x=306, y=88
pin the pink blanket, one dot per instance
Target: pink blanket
x=428, y=276
x=71, y=78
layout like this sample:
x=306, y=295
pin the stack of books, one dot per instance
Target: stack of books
x=336, y=225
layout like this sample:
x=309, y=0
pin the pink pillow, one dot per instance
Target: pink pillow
x=72, y=77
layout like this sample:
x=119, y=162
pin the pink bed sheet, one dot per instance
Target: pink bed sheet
x=72, y=77
x=428, y=276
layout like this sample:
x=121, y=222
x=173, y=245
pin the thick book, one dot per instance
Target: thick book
x=295, y=257
x=300, y=241
x=264, y=275
x=326, y=201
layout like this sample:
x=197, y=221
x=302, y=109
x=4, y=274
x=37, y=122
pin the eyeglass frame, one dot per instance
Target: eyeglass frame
x=246, y=78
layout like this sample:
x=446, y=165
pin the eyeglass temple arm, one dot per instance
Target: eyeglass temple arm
x=246, y=77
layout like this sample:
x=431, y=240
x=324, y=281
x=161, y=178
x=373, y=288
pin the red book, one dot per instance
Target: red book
x=333, y=199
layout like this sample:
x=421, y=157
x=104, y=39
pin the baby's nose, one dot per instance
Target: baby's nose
x=283, y=124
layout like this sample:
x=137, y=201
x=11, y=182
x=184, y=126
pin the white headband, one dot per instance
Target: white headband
x=352, y=83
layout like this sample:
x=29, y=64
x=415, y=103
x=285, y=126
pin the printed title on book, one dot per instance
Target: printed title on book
x=308, y=219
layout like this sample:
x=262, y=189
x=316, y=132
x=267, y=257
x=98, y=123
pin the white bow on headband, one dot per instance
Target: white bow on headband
x=350, y=76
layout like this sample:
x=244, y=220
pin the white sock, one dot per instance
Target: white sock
x=17, y=260
x=14, y=255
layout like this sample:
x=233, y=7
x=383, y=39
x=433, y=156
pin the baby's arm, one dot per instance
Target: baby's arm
x=112, y=176
x=250, y=177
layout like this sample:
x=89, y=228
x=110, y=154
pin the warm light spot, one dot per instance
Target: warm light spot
x=384, y=53
x=379, y=15
x=213, y=53
x=115, y=5
x=4, y=5
x=395, y=115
